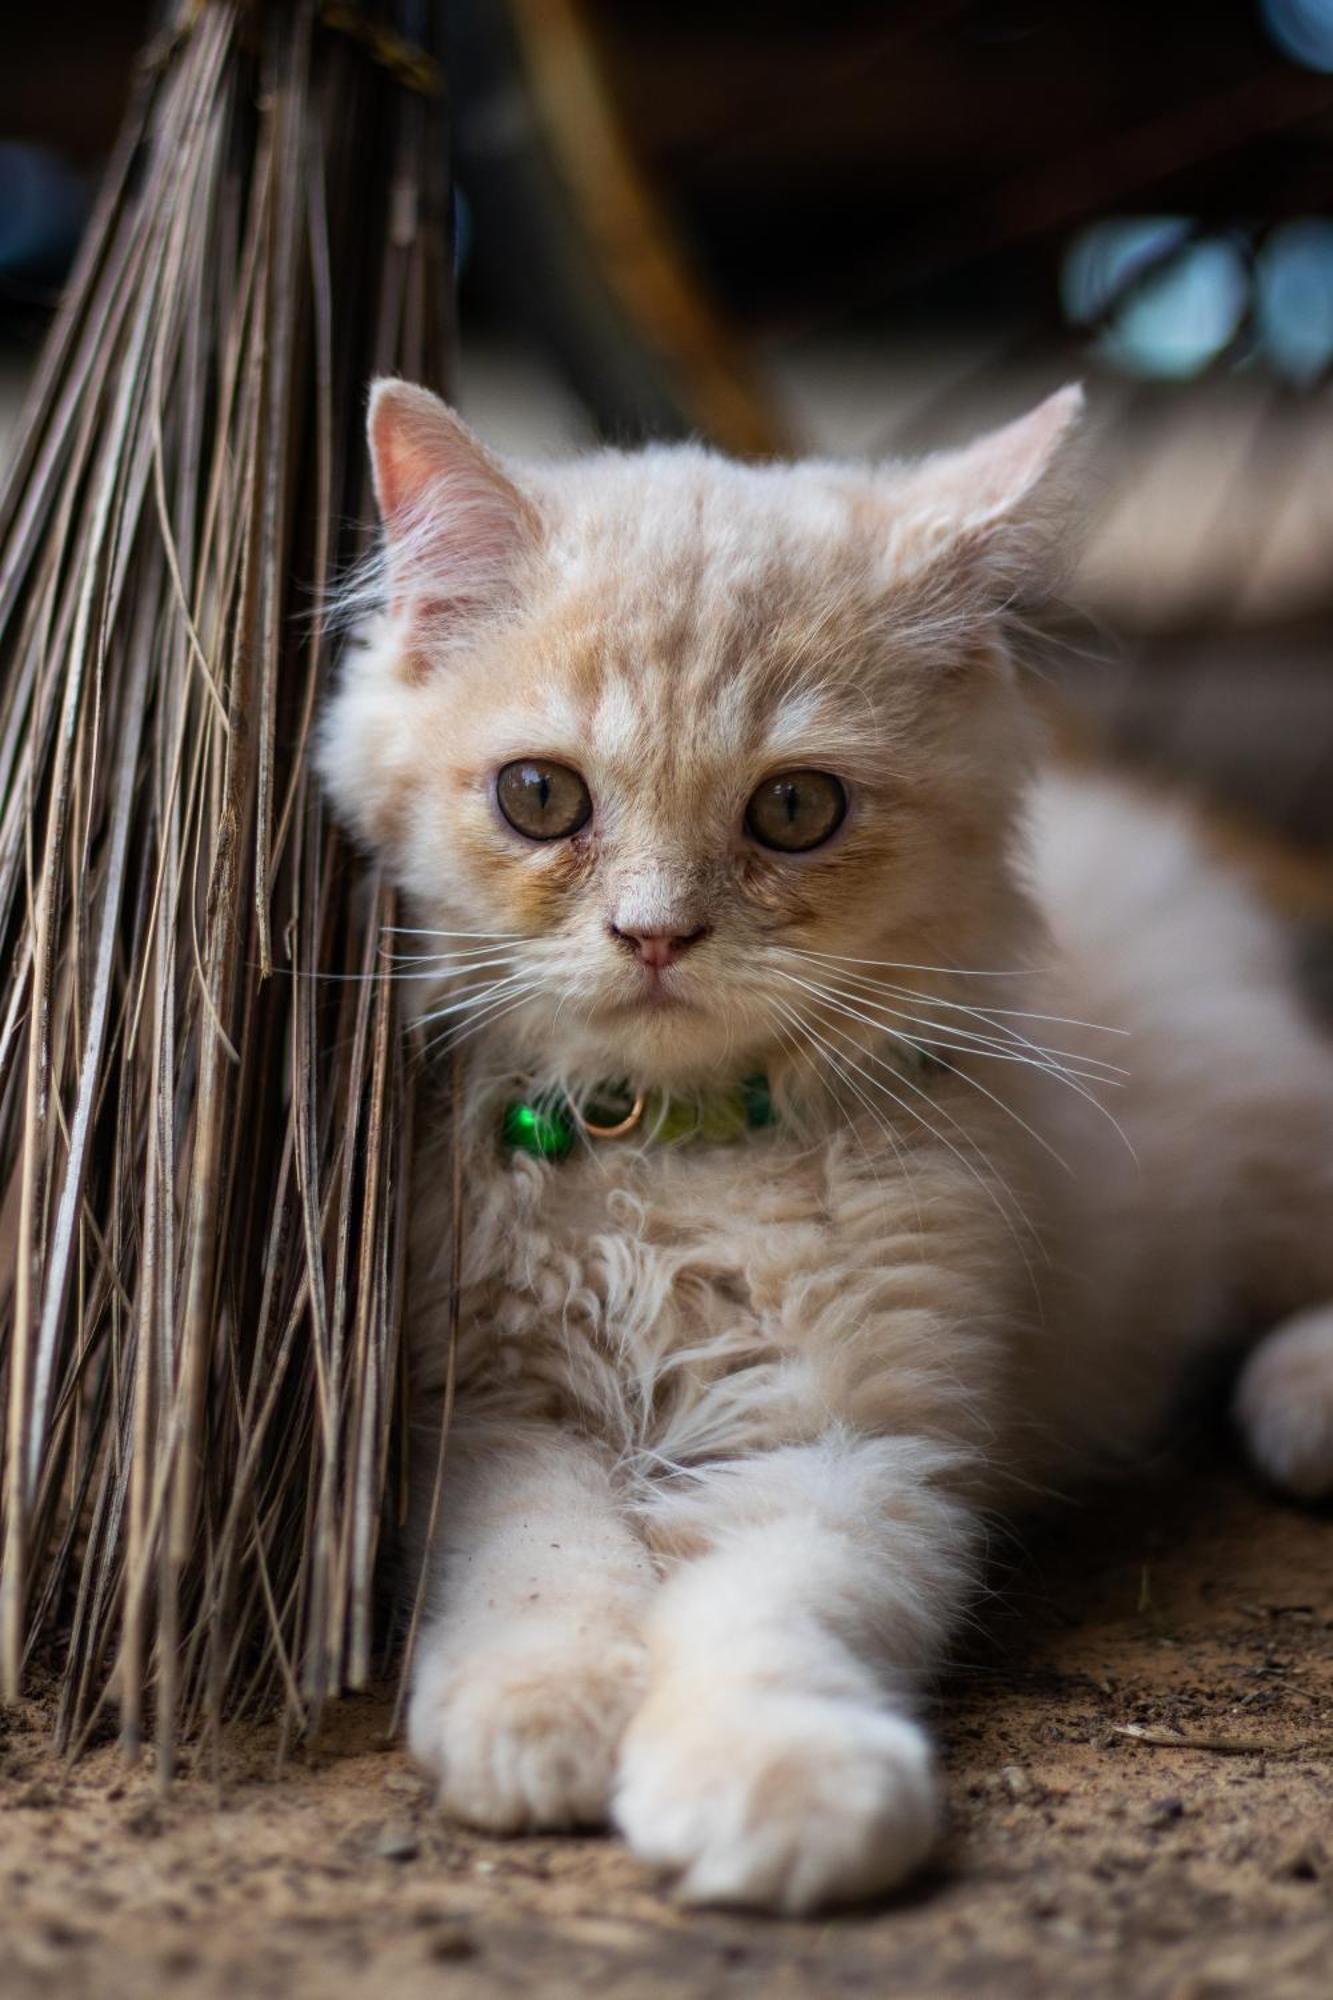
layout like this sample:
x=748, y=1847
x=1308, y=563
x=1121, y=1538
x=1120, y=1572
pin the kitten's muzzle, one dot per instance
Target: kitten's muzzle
x=655, y=950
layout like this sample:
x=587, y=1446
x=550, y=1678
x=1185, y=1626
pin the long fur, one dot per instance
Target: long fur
x=730, y=1418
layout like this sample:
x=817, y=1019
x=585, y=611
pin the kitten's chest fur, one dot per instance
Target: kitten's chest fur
x=692, y=1302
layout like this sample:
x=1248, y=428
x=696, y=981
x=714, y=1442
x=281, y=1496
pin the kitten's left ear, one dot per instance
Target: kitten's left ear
x=455, y=524
x=994, y=501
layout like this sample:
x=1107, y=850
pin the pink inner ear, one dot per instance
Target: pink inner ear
x=1011, y=461
x=990, y=479
x=454, y=522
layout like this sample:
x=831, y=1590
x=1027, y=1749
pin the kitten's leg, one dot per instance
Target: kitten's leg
x=776, y=1761
x=1284, y=1404
x=533, y=1658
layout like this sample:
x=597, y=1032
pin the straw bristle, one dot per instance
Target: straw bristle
x=203, y=1141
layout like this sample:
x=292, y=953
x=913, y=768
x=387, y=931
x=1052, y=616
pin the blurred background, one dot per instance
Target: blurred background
x=871, y=228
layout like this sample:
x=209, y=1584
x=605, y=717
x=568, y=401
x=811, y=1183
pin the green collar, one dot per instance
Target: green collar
x=549, y=1126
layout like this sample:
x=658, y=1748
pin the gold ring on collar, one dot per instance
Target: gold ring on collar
x=626, y=1124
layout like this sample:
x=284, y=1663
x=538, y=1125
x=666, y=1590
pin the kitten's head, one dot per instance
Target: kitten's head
x=638, y=731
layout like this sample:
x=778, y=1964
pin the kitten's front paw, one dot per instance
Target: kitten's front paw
x=1284, y=1404
x=524, y=1739
x=782, y=1801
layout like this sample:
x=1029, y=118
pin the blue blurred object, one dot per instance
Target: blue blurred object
x=1171, y=305
x=1104, y=260
x=1183, y=316
x=1294, y=299
x=1166, y=303
x=43, y=207
x=1303, y=30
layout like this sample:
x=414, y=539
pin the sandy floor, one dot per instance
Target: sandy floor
x=1080, y=1859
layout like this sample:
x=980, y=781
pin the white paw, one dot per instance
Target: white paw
x=1284, y=1404
x=522, y=1741
x=780, y=1800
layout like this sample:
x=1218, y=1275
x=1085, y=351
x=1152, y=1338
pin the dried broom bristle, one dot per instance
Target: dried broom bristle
x=202, y=1140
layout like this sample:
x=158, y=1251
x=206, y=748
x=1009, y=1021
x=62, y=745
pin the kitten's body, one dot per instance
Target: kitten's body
x=729, y=1416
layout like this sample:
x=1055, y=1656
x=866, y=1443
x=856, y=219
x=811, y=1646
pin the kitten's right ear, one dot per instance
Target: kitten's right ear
x=455, y=524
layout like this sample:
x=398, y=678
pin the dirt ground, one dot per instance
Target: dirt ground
x=1081, y=1858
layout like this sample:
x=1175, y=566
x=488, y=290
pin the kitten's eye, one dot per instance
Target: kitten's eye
x=796, y=810
x=542, y=800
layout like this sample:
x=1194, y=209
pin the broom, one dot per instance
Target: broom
x=203, y=1137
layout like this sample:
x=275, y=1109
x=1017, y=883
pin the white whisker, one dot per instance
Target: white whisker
x=489, y=1015
x=1016, y=1014
x=410, y=965
x=456, y=974
x=962, y=1041
x=410, y=930
x=791, y=1036
x=899, y=965
x=1059, y=1072
x=1068, y=1076
x=969, y=1166
x=973, y=1082
x=1007, y=1041
x=429, y=958
x=493, y=989
x=1089, y=1065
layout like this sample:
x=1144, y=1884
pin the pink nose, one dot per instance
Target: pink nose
x=657, y=949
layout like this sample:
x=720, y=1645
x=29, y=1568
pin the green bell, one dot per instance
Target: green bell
x=544, y=1130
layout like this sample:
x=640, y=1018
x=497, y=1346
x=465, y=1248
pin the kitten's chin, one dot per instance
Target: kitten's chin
x=652, y=1004
x=663, y=1043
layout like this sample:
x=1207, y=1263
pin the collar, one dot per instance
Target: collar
x=549, y=1126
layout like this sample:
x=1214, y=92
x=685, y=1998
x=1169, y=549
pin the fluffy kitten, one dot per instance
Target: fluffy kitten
x=701, y=775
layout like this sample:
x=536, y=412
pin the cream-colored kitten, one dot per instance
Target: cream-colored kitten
x=711, y=789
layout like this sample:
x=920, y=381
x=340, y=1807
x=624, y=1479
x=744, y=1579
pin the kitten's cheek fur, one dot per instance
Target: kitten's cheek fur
x=777, y=1799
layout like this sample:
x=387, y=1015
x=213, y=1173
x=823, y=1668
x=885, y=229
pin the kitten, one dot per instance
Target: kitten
x=720, y=811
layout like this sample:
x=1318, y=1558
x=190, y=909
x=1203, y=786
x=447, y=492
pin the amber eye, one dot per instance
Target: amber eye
x=796, y=810
x=543, y=800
